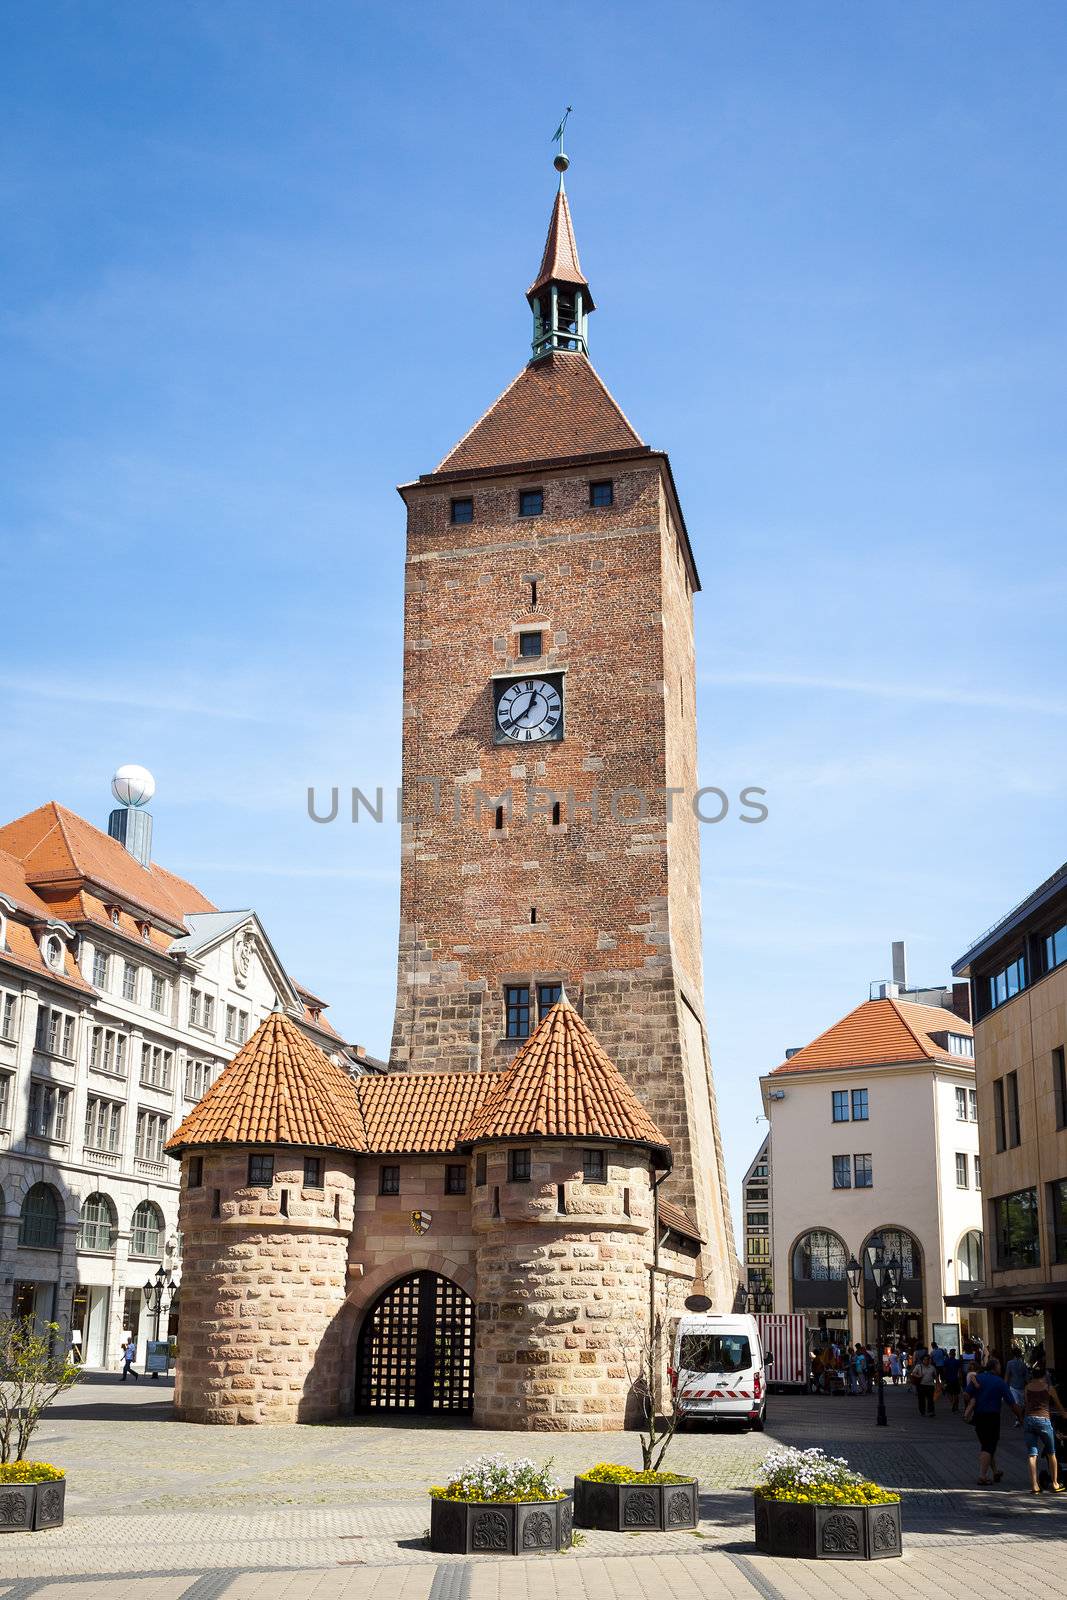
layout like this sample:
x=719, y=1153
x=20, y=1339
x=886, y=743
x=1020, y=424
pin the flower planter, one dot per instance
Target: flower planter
x=828, y=1532
x=26, y=1506
x=636, y=1507
x=499, y=1527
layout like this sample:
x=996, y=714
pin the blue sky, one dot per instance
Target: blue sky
x=262, y=262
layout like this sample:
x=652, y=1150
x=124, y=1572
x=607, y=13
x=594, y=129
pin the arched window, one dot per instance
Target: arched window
x=970, y=1258
x=39, y=1222
x=53, y=952
x=819, y=1257
x=96, y=1224
x=896, y=1242
x=146, y=1234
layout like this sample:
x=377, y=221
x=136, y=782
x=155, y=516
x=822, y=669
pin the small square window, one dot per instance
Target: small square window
x=456, y=1178
x=519, y=1166
x=312, y=1172
x=547, y=995
x=479, y=1171
x=859, y=1105
x=517, y=1010
x=196, y=1172
x=530, y=644
x=593, y=1166
x=531, y=502
x=463, y=511
x=840, y=1105
x=602, y=494
x=260, y=1172
x=389, y=1180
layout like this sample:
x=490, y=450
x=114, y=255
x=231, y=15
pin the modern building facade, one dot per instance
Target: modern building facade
x=123, y=992
x=1018, y=977
x=756, y=1208
x=874, y=1135
x=549, y=757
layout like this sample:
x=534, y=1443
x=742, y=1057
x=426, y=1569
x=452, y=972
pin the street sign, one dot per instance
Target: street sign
x=157, y=1355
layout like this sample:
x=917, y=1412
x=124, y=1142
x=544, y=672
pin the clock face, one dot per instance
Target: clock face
x=529, y=709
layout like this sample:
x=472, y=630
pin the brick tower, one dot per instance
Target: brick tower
x=549, y=711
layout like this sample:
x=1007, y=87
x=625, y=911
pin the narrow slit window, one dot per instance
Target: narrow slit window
x=498, y=821
x=557, y=814
x=533, y=913
x=561, y=1199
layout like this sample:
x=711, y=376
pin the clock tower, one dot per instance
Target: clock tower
x=549, y=761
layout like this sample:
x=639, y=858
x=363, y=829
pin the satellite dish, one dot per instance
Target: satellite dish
x=133, y=785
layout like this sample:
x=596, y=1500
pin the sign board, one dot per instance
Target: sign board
x=947, y=1335
x=157, y=1355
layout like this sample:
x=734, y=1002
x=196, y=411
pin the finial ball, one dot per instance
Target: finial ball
x=561, y=162
x=133, y=785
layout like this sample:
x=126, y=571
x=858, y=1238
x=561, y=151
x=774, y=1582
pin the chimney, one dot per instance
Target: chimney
x=900, y=964
x=360, y=1049
x=133, y=787
x=961, y=1001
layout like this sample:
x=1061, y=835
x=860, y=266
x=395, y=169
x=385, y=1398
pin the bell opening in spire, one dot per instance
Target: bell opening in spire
x=560, y=298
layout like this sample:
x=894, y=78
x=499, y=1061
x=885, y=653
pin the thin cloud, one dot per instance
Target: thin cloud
x=930, y=694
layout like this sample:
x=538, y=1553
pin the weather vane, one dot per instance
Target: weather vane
x=561, y=161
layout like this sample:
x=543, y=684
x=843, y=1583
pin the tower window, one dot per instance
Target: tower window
x=463, y=511
x=557, y=815
x=531, y=502
x=312, y=1172
x=479, y=1171
x=498, y=821
x=593, y=1170
x=389, y=1180
x=533, y=913
x=518, y=1166
x=529, y=644
x=602, y=494
x=456, y=1178
x=260, y=1172
x=517, y=1007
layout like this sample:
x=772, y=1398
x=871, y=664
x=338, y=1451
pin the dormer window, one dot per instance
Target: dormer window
x=53, y=952
x=146, y=929
x=114, y=912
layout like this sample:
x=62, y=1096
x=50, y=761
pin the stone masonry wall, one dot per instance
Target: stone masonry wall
x=263, y=1293
x=563, y=1290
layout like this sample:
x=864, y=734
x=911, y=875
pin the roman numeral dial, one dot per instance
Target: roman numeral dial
x=529, y=710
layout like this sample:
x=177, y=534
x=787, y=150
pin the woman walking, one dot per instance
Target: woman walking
x=924, y=1377
x=1039, y=1398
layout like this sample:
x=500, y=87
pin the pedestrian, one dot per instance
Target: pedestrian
x=129, y=1356
x=858, y=1370
x=1039, y=1399
x=937, y=1355
x=894, y=1366
x=924, y=1377
x=1015, y=1375
x=951, y=1374
x=990, y=1393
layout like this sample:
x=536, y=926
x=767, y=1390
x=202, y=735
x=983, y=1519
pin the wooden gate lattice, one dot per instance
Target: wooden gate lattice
x=416, y=1348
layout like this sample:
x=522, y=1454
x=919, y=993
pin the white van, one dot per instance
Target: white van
x=719, y=1370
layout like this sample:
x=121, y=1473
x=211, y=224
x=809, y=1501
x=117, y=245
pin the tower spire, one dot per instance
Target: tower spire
x=559, y=297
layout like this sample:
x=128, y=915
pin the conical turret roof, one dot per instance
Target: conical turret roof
x=561, y=1085
x=559, y=261
x=278, y=1089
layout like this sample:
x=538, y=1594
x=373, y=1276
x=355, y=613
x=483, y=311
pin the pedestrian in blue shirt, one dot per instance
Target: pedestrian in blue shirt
x=989, y=1392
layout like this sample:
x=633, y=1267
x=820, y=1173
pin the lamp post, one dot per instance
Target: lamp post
x=885, y=1276
x=158, y=1294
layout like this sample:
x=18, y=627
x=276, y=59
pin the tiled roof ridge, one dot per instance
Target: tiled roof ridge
x=860, y=1048
x=923, y=1043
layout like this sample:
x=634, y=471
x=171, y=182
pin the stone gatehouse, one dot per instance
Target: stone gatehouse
x=490, y=1243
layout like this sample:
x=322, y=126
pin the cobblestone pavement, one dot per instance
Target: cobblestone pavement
x=159, y=1510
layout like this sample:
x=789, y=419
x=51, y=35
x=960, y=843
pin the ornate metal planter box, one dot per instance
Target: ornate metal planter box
x=24, y=1506
x=499, y=1528
x=636, y=1507
x=828, y=1533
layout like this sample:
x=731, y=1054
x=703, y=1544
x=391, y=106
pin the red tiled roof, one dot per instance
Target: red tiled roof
x=56, y=846
x=880, y=1032
x=678, y=1218
x=21, y=948
x=279, y=1089
x=562, y=1085
x=408, y=1113
x=555, y=408
x=560, y=258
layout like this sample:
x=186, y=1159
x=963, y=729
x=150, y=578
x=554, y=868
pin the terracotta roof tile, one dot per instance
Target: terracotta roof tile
x=559, y=260
x=678, y=1218
x=408, y=1113
x=556, y=407
x=880, y=1032
x=562, y=1085
x=56, y=846
x=278, y=1089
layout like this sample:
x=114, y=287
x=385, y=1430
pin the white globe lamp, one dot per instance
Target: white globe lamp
x=133, y=785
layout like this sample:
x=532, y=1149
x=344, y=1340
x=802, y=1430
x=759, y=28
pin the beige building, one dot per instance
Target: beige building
x=874, y=1135
x=1018, y=977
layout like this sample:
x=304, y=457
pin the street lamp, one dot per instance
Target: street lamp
x=158, y=1294
x=885, y=1276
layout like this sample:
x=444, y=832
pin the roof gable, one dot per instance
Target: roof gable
x=562, y=1085
x=556, y=408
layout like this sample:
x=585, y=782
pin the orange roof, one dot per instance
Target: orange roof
x=13, y=884
x=562, y=1085
x=555, y=408
x=560, y=258
x=678, y=1218
x=278, y=1089
x=877, y=1033
x=420, y=1112
x=56, y=846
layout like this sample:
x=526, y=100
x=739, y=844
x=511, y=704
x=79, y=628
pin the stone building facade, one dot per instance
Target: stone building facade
x=487, y=1243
